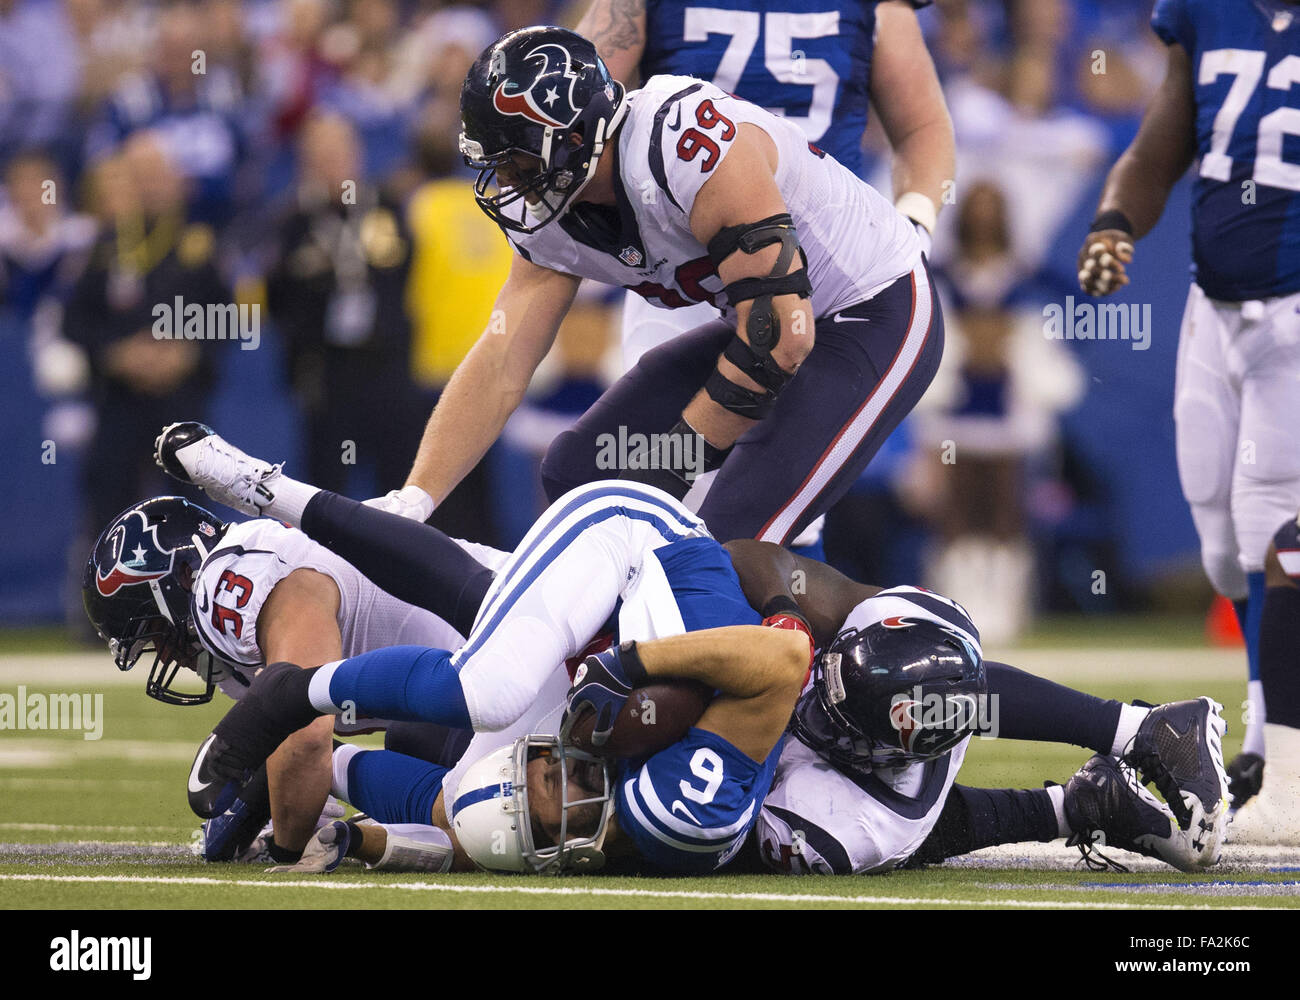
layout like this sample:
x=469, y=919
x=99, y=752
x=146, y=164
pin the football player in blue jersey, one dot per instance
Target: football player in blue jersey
x=1230, y=102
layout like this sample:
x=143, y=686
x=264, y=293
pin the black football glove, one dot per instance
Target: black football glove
x=602, y=685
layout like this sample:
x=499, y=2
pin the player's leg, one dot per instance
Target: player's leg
x=648, y=399
x=1104, y=804
x=1207, y=421
x=870, y=364
x=1177, y=745
x=558, y=590
x=1273, y=816
x=414, y=562
x=1266, y=476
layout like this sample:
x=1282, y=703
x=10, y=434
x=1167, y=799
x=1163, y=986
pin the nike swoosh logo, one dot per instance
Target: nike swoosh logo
x=677, y=804
x=676, y=123
x=203, y=607
x=840, y=318
x=195, y=785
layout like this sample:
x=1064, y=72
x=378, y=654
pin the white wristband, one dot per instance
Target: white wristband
x=919, y=208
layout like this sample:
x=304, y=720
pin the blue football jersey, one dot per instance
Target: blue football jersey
x=809, y=60
x=1246, y=198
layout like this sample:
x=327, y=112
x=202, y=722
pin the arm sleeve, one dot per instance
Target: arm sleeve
x=1170, y=20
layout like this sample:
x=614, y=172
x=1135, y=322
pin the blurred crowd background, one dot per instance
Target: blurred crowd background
x=300, y=155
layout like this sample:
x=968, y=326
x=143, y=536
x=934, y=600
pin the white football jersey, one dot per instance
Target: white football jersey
x=821, y=820
x=677, y=130
x=237, y=576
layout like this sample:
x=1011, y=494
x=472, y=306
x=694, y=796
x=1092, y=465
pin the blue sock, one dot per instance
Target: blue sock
x=1249, y=613
x=394, y=788
x=407, y=683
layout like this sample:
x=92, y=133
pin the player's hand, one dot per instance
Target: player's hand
x=410, y=501
x=323, y=853
x=1102, y=259
x=602, y=685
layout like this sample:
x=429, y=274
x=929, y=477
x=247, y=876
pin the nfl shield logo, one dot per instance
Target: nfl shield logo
x=631, y=256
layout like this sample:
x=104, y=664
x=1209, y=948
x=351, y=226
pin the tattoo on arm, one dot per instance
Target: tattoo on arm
x=623, y=28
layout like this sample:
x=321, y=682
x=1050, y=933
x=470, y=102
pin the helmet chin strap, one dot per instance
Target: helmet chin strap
x=605, y=131
x=158, y=599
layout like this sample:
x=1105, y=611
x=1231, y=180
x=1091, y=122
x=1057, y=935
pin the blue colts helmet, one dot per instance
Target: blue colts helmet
x=544, y=93
x=136, y=590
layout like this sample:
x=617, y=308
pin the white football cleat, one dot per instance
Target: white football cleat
x=194, y=453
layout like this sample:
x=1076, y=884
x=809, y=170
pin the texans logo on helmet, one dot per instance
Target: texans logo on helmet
x=148, y=560
x=931, y=720
x=902, y=718
x=548, y=99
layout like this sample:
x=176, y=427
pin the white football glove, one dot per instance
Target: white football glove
x=410, y=501
x=323, y=853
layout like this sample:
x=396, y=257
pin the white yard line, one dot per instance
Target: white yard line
x=696, y=896
x=78, y=827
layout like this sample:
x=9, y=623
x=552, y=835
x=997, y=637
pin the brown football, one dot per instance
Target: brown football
x=652, y=719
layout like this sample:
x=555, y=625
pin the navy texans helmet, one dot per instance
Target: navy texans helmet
x=542, y=92
x=136, y=589
x=900, y=691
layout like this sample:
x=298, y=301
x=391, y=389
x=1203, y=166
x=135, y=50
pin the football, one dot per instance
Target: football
x=652, y=719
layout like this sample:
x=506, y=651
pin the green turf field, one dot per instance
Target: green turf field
x=88, y=824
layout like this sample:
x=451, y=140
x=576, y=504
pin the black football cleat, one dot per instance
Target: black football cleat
x=1245, y=778
x=274, y=708
x=1179, y=747
x=210, y=789
x=1107, y=806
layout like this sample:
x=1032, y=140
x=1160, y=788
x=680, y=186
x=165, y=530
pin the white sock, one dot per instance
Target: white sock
x=1057, y=794
x=1254, y=739
x=289, y=500
x=318, y=691
x=1130, y=717
x=339, y=782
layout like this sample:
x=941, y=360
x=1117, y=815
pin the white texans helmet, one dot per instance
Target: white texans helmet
x=493, y=824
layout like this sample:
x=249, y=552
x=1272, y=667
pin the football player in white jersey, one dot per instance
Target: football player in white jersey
x=683, y=194
x=222, y=599
x=884, y=725
x=833, y=58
